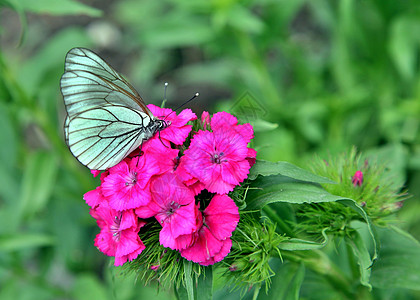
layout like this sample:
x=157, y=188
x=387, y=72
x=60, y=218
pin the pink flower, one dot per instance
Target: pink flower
x=251, y=156
x=126, y=186
x=212, y=239
x=225, y=121
x=217, y=159
x=95, y=172
x=205, y=119
x=173, y=205
x=166, y=158
x=94, y=198
x=178, y=131
x=119, y=233
x=189, y=180
x=357, y=179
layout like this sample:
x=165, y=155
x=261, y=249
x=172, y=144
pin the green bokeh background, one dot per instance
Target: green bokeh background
x=319, y=76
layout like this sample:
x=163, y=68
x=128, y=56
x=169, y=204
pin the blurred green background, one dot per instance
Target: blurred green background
x=312, y=76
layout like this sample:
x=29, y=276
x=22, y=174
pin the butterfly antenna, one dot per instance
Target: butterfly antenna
x=183, y=104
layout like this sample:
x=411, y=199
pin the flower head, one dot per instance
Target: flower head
x=217, y=159
x=119, y=233
x=173, y=205
x=357, y=178
x=212, y=239
x=178, y=131
x=126, y=186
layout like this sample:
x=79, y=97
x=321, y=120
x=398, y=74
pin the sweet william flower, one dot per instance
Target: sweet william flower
x=178, y=131
x=225, y=121
x=166, y=158
x=126, y=186
x=173, y=205
x=212, y=239
x=357, y=178
x=119, y=233
x=217, y=159
x=205, y=119
x=94, y=198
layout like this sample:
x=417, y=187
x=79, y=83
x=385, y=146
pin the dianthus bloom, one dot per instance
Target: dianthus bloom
x=178, y=130
x=219, y=159
x=119, y=233
x=126, y=186
x=357, y=179
x=173, y=206
x=212, y=239
x=179, y=179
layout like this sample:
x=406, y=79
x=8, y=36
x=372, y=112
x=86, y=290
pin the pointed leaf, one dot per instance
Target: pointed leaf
x=205, y=285
x=363, y=258
x=398, y=265
x=266, y=168
x=299, y=244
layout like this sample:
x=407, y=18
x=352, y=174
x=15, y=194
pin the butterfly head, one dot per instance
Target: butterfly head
x=162, y=124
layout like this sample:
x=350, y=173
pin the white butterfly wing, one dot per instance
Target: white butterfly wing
x=107, y=119
x=89, y=81
x=101, y=137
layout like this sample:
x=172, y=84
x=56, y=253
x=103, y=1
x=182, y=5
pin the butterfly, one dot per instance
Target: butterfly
x=106, y=117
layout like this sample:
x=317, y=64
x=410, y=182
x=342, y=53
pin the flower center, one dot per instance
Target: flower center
x=172, y=208
x=132, y=180
x=217, y=158
x=115, y=228
x=176, y=162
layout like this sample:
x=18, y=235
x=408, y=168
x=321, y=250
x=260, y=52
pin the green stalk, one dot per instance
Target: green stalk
x=319, y=262
x=279, y=222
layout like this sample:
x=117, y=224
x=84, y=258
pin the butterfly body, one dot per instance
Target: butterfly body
x=106, y=117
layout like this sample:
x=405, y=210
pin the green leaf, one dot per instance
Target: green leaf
x=271, y=189
x=403, y=44
x=286, y=283
x=88, y=287
x=177, y=32
x=243, y=19
x=299, y=244
x=24, y=241
x=205, y=285
x=56, y=7
x=398, y=265
x=181, y=293
x=37, y=183
x=261, y=125
x=279, y=188
x=45, y=61
x=188, y=276
x=363, y=258
x=266, y=168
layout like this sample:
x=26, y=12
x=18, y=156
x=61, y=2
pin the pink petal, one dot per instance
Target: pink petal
x=94, y=198
x=205, y=119
x=147, y=211
x=223, y=119
x=129, y=243
x=95, y=172
x=182, y=222
x=227, y=245
x=221, y=216
x=128, y=220
x=205, y=247
x=105, y=244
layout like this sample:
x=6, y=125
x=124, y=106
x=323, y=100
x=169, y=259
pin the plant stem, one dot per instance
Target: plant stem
x=320, y=263
x=279, y=222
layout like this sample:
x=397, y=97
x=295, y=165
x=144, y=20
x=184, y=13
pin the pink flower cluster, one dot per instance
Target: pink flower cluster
x=165, y=184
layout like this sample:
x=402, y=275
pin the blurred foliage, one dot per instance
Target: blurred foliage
x=312, y=76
